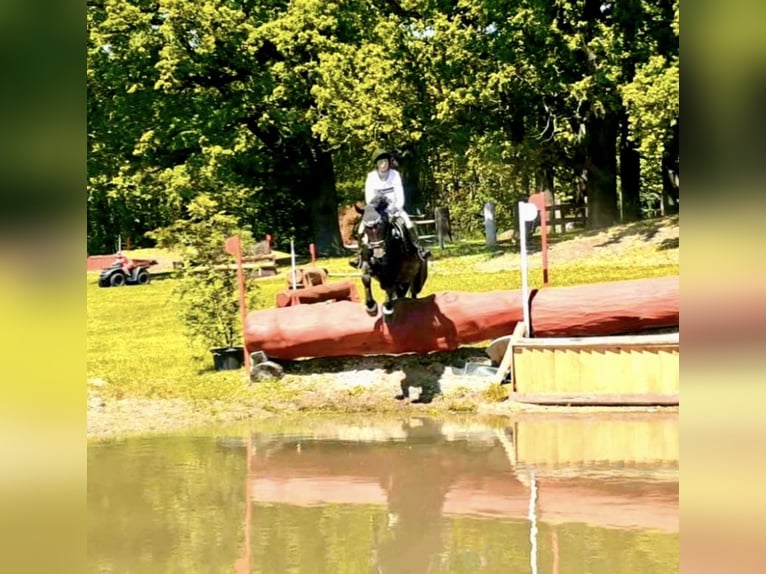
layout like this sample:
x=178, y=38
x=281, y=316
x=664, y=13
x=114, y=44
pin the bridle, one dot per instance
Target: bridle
x=380, y=243
x=371, y=224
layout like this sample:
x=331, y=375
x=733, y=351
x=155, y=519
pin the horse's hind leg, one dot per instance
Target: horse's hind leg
x=405, y=394
x=369, y=303
x=419, y=280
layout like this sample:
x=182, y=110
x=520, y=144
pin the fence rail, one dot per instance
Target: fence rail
x=433, y=228
x=560, y=214
x=426, y=228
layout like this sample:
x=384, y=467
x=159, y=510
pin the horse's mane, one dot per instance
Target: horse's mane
x=375, y=209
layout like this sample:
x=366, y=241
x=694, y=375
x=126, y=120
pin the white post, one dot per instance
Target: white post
x=292, y=263
x=524, y=272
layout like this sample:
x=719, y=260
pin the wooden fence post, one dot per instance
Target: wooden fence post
x=489, y=224
x=443, y=225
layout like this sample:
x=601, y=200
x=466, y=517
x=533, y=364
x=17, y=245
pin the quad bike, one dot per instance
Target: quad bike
x=126, y=271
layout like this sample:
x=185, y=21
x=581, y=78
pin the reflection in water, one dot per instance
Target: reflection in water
x=412, y=495
x=533, y=522
x=416, y=483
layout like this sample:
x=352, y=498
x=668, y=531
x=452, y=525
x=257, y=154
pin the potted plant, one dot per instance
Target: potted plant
x=207, y=279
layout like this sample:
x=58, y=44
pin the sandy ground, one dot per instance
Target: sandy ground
x=359, y=384
x=366, y=385
x=370, y=384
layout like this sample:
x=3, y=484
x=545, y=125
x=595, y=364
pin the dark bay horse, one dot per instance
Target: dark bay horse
x=388, y=255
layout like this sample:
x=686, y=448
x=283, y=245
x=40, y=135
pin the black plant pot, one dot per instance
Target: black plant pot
x=228, y=358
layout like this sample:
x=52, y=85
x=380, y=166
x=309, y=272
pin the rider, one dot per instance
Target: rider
x=385, y=180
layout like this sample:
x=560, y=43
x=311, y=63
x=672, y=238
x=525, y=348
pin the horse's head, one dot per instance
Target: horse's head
x=376, y=225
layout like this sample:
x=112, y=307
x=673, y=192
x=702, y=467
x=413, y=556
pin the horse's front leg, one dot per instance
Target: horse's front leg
x=388, y=305
x=369, y=303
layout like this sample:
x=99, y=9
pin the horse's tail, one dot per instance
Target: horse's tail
x=420, y=278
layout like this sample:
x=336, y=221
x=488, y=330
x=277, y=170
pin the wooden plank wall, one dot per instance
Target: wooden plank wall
x=612, y=371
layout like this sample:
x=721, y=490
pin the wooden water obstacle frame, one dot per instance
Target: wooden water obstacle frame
x=615, y=370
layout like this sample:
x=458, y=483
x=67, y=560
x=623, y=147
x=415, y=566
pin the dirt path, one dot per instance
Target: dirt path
x=655, y=242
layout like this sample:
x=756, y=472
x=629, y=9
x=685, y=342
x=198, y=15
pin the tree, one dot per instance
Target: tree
x=273, y=108
x=651, y=100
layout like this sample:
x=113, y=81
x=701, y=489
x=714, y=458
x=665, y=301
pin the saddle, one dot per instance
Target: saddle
x=398, y=228
x=400, y=231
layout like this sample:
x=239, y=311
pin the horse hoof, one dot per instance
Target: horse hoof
x=388, y=310
x=372, y=311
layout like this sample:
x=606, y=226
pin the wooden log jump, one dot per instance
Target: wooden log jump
x=605, y=308
x=439, y=322
x=445, y=321
x=340, y=291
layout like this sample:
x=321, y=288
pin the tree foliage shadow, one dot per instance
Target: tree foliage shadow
x=670, y=243
x=645, y=230
x=510, y=245
x=476, y=247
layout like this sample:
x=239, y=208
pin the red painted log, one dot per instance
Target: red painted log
x=99, y=262
x=605, y=308
x=440, y=322
x=444, y=321
x=341, y=291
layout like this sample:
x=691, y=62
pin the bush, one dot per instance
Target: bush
x=207, y=289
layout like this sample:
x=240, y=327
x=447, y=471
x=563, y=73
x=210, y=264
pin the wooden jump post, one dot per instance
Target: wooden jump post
x=233, y=246
x=539, y=201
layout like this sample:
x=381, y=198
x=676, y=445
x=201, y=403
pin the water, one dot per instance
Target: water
x=541, y=494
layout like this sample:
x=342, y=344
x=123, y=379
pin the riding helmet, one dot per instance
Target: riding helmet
x=380, y=153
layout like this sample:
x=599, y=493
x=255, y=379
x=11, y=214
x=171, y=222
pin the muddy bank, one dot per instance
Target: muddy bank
x=438, y=386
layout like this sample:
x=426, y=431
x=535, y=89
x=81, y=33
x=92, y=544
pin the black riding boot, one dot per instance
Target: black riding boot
x=423, y=253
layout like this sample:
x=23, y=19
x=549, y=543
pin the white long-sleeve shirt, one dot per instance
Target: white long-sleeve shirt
x=391, y=187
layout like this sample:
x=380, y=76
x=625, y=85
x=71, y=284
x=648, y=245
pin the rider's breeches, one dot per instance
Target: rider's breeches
x=406, y=218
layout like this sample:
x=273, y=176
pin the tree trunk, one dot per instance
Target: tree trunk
x=525, y=183
x=602, y=172
x=544, y=179
x=630, y=175
x=670, y=175
x=410, y=169
x=323, y=203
